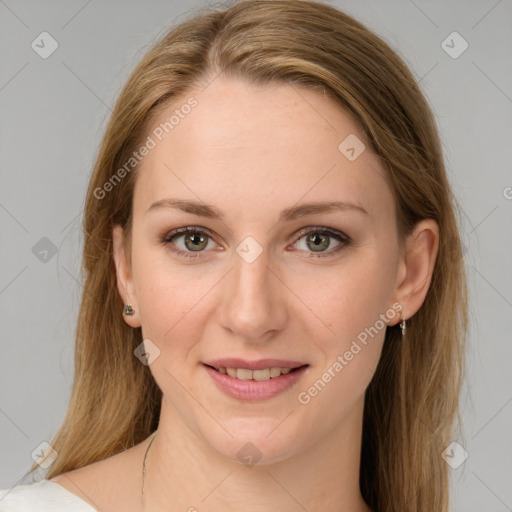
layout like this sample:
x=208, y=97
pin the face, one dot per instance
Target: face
x=309, y=287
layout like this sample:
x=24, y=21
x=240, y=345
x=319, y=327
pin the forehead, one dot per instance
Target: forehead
x=244, y=144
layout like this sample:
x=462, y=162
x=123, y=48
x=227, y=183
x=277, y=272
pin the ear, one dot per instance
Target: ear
x=416, y=267
x=124, y=276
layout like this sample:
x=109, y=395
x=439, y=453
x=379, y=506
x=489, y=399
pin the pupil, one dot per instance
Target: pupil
x=196, y=239
x=319, y=240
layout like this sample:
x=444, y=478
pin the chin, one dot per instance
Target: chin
x=256, y=441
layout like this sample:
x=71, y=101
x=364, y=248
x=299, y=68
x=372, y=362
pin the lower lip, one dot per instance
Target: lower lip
x=254, y=390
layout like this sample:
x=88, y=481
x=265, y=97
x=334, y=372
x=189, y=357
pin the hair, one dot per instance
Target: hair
x=412, y=402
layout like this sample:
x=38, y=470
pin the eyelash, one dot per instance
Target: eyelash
x=344, y=240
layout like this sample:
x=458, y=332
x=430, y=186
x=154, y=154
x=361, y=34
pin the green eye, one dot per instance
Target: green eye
x=318, y=241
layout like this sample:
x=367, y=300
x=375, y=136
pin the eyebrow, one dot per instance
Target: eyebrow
x=288, y=214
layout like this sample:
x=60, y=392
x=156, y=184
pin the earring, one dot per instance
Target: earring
x=402, y=326
x=128, y=310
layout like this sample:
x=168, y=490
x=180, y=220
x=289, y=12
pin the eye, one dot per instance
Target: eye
x=196, y=240
x=318, y=240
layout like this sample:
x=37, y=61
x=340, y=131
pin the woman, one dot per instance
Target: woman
x=274, y=306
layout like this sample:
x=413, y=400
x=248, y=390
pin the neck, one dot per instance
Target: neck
x=184, y=472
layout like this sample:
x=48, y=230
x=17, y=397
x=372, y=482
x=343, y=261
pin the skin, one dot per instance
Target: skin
x=252, y=151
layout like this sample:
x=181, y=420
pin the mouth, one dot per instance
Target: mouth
x=257, y=375
x=265, y=380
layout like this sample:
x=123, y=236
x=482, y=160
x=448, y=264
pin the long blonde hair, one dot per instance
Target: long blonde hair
x=412, y=403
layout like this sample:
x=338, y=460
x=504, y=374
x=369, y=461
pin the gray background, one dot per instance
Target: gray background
x=53, y=114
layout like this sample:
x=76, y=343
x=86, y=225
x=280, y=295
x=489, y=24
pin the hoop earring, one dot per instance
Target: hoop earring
x=128, y=310
x=403, y=327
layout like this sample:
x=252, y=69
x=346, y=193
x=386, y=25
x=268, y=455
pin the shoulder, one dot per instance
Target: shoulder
x=42, y=496
x=108, y=485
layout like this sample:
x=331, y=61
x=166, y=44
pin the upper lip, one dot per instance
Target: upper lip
x=261, y=364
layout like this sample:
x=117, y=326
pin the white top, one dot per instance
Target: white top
x=42, y=496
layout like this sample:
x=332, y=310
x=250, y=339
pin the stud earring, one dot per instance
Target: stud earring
x=128, y=310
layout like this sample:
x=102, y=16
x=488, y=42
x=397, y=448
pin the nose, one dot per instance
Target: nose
x=254, y=306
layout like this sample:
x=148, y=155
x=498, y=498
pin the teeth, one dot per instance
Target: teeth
x=245, y=374
x=261, y=374
x=275, y=372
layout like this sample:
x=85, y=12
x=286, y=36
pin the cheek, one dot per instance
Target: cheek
x=171, y=303
x=351, y=297
x=353, y=302
x=353, y=307
x=338, y=304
